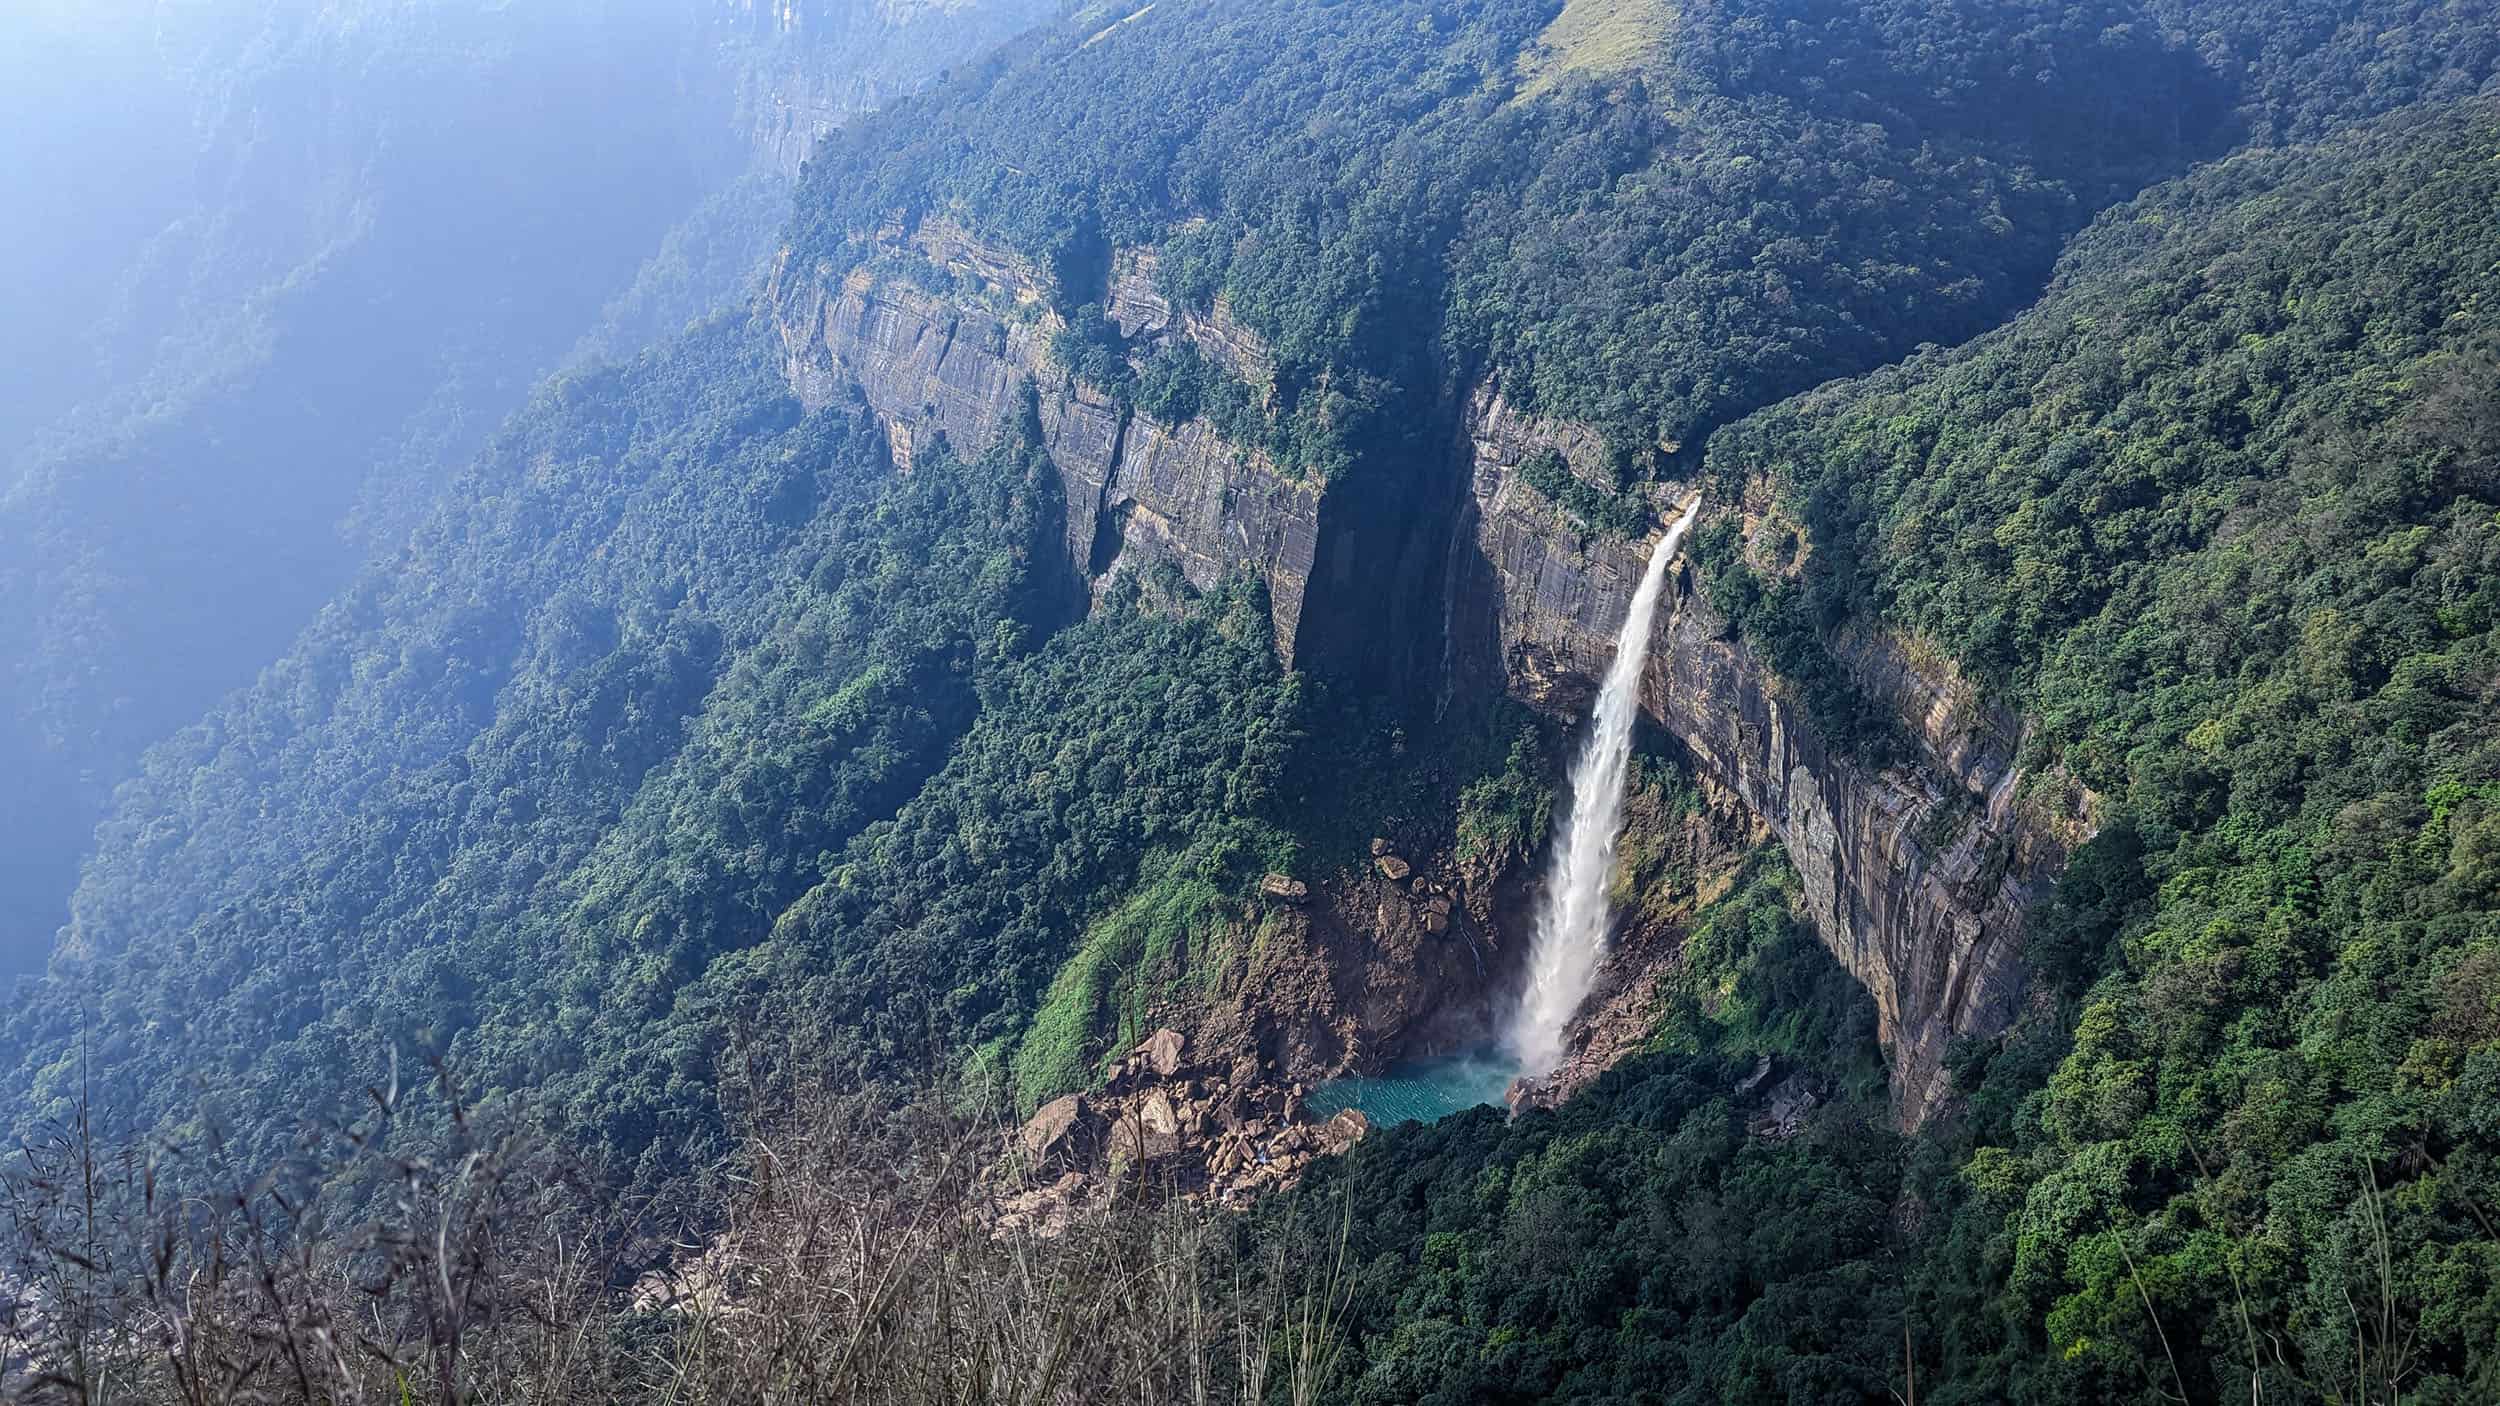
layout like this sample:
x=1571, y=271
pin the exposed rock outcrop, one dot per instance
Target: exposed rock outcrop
x=1917, y=876
x=1534, y=598
x=1284, y=888
x=954, y=363
x=1360, y=969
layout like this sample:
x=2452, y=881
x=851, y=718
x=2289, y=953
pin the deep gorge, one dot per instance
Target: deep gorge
x=1917, y=875
x=846, y=850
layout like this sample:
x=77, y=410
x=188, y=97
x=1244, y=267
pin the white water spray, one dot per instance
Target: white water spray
x=1572, y=920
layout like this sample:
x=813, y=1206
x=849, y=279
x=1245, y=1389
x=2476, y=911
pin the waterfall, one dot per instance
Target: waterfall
x=1572, y=917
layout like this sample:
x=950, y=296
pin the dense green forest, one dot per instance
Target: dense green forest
x=1787, y=191
x=682, y=760
x=321, y=770
x=1797, y=190
x=2223, y=514
x=763, y=687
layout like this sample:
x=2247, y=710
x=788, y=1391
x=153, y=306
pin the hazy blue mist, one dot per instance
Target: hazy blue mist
x=277, y=269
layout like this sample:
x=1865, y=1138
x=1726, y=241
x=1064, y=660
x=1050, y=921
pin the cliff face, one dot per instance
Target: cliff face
x=955, y=364
x=1918, y=875
x=1533, y=599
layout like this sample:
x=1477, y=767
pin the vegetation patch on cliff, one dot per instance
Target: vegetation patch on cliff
x=1614, y=514
x=1171, y=930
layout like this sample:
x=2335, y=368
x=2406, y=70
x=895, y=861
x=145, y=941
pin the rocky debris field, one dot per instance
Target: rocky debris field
x=1205, y=1133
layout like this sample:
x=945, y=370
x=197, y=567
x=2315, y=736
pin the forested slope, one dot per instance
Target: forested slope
x=1742, y=199
x=689, y=755
x=1790, y=190
x=673, y=661
x=1380, y=199
x=2222, y=514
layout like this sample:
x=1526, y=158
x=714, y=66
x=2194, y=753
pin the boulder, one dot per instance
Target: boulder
x=1132, y=1142
x=1785, y=1109
x=1157, y=1115
x=1284, y=888
x=1380, y=846
x=1436, y=922
x=1393, y=868
x=1044, y=1210
x=1162, y=1052
x=1343, y=1131
x=1055, y=1129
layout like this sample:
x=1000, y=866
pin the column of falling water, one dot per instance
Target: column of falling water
x=1572, y=916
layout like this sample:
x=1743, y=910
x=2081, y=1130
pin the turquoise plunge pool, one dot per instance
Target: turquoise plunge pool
x=1424, y=1091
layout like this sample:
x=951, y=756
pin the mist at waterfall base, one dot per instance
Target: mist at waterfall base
x=1574, y=915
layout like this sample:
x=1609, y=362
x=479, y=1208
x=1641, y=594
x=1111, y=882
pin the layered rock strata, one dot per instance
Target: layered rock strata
x=1917, y=876
x=955, y=363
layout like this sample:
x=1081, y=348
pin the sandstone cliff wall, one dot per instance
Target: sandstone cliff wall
x=1917, y=876
x=954, y=363
x=1533, y=598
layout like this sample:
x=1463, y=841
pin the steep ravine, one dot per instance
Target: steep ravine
x=1918, y=874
